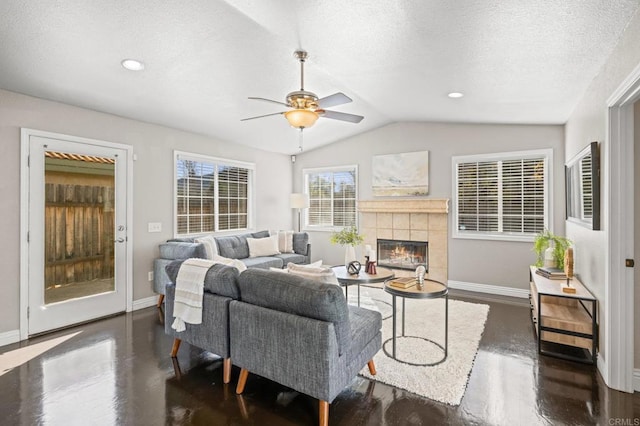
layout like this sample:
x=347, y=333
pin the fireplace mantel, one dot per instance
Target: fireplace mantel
x=429, y=205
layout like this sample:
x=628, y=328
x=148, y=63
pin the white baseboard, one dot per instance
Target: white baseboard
x=602, y=369
x=490, y=289
x=636, y=379
x=9, y=337
x=145, y=303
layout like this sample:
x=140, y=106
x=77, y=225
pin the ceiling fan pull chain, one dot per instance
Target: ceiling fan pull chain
x=300, y=140
x=302, y=74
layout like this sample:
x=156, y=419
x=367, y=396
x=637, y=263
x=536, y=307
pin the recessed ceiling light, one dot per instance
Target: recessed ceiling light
x=455, y=95
x=132, y=64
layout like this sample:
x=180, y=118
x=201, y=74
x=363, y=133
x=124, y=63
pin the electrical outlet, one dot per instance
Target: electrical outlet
x=150, y=275
x=154, y=226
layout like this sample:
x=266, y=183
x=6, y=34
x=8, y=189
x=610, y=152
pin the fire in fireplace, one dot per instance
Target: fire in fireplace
x=403, y=254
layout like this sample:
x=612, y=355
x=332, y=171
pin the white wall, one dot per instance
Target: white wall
x=153, y=181
x=586, y=124
x=474, y=261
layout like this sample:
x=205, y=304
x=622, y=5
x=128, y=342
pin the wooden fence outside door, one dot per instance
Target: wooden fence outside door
x=79, y=233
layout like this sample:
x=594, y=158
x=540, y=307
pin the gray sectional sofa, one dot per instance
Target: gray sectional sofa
x=287, y=328
x=232, y=247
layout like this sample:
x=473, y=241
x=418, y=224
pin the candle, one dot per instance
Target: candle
x=372, y=256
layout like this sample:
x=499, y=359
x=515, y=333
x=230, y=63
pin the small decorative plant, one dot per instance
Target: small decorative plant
x=347, y=236
x=543, y=240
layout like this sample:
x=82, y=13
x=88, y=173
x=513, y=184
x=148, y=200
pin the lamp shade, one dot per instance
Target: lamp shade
x=299, y=201
x=301, y=118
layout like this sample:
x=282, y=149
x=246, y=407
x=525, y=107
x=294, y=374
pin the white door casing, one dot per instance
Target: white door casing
x=35, y=316
x=617, y=368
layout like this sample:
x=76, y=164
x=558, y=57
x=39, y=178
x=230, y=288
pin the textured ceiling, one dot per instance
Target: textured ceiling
x=515, y=61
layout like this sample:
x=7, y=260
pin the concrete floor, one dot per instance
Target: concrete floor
x=117, y=371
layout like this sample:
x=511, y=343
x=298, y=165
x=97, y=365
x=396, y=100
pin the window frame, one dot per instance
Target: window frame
x=217, y=161
x=305, y=183
x=546, y=154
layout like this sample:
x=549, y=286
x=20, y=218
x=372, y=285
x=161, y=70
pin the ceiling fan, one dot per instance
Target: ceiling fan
x=306, y=107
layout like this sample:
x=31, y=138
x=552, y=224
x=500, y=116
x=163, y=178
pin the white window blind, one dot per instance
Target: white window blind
x=501, y=195
x=211, y=194
x=332, y=197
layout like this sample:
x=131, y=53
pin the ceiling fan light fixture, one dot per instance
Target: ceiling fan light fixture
x=301, y=118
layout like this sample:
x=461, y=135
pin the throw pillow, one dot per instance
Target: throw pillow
x=238, y=264
x=285, y=241
x=311, y=265
x=259, y=247
x=210, y=246
x=322, y=274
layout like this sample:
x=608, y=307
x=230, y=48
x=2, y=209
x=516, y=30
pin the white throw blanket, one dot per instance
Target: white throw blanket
x=187, y=306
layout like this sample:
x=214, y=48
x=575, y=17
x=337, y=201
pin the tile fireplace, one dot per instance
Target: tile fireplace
x=409, y=220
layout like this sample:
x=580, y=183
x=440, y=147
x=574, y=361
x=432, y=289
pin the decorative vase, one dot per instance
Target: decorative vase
x=349, y=254
x=549, y=260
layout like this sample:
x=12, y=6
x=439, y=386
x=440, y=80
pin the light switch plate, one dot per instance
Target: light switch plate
x=155, y=227
x=150, y=275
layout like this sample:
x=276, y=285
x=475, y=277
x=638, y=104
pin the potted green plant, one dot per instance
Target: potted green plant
x=546, y=240
x=350, y=238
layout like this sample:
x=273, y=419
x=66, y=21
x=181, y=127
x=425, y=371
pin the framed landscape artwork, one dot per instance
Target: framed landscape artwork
x=397, y=175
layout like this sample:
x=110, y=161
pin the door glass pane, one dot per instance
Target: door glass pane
x=79, y=226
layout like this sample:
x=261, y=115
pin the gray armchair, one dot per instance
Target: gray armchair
x=301, y=334
x=220, y=288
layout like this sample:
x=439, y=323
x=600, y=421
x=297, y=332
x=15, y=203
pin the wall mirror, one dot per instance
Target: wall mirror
x=582, y=179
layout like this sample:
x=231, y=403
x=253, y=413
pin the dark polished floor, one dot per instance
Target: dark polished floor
x=117, y=371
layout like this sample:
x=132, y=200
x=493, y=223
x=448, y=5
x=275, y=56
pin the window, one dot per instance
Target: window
x=332, y=197
x=502, y=196
x=211, y=194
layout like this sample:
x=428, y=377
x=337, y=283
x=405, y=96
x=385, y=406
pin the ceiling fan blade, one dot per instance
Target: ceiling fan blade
x=260, y=116
x=342, y=116
x=333, y=100
x=268, y=100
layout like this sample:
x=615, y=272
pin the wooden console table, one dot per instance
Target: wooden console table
x=565, y=318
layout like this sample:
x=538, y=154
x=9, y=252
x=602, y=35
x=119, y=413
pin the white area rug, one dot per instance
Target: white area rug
x=445, y=382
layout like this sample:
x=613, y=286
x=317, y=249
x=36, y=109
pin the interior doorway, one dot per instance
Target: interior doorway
x=76, y=264
x=636, y=202
x=617, y=368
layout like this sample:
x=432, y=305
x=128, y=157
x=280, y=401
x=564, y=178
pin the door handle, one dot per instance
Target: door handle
x=120, y=240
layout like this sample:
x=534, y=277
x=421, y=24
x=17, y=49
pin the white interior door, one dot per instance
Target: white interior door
x=77, y=233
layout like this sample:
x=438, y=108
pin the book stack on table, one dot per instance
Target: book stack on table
x=552, y=273
x=403, y=282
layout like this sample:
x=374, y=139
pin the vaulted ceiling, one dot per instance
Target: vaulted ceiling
x=515, y=61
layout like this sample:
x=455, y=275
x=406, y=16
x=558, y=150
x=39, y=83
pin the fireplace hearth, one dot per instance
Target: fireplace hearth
x=400, y=254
